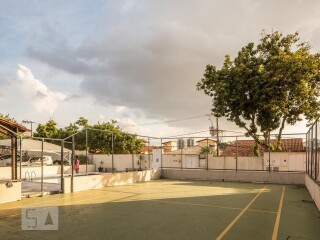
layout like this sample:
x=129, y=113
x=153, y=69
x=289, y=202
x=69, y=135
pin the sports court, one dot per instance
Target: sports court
x=174, y=209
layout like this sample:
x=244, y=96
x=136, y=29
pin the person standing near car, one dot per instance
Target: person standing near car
x=77, y=164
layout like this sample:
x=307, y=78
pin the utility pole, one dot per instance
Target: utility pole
x=29, y=122
x=214, y=132
x=217, y=122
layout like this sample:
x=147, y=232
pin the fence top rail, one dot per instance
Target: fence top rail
x=151, y=137
x=234, y=136
x=108, y=131
x=73, y=134
x=41, y=138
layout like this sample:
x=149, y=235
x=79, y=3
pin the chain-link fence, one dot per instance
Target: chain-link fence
x=313, y=148
x=239, y=153
x=114, y=151
x=45, y=163
x=9, y=158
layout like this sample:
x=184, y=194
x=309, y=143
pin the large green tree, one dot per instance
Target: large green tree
x=99, y=136
x=48, y=130
x=266, y=86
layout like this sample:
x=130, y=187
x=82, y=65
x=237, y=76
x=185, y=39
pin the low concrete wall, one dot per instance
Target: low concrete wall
x=81, y=183
x=120, y=161
x=239, y=176
x=10, y=194
x=314, y=189
x=48, y=171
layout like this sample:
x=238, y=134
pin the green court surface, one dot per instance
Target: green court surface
x=167, y=209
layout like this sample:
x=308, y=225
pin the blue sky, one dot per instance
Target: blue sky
x=134, y=61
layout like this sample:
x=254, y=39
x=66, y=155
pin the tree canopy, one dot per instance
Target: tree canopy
x=99, y=136
x=266, y=86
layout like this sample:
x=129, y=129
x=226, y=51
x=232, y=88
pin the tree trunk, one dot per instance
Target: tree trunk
x=278, y=143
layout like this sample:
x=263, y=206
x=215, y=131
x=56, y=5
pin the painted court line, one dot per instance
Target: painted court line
x=224, y=232
x=277, y=223
x=211, y=206
x=61, y=199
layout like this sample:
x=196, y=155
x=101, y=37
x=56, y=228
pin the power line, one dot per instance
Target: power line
x=191, y=133
x=174, y=120
x=180, y=135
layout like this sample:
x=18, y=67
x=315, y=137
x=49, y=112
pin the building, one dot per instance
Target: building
x=244, y=148
x=207, y=142
x=169, y=147
x=292, y=157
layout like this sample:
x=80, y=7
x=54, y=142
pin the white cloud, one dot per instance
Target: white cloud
x=32, y=89
x=119, y=109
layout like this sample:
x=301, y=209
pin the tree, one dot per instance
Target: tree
x=123, y=142
x=266, y=86
x=48, y=130
x=208, y=150
x=99, y=136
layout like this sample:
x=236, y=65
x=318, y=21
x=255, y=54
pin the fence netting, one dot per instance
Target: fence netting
x=313, y=150
x=6, y=170
x=236, y=153
x=42, y=164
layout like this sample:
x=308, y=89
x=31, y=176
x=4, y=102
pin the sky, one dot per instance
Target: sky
x=137, y=62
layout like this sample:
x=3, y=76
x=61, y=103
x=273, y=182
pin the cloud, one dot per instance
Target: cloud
x=119, y=109
x=41, y=97
x=3, y=82
x=148, y=56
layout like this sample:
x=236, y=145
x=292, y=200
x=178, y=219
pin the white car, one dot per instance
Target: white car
x=36, y=160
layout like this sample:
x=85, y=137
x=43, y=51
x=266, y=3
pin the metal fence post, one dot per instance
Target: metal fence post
x=307, y=151
x=316, y=154
x=236, y=154
x=14, y=148
x=62, y=166
x=161, y=154
x=112, y=152
x=148, y=153
x=269, y=153
x=132, y=161
x=20, y=165
x=72, y=163
x=42, y=142
x=311, y=163
x=87, y=151
x=207, y=157
x=181, y=159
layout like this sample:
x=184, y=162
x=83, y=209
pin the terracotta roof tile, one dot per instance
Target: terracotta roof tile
x=245, y=147
x=14, y=126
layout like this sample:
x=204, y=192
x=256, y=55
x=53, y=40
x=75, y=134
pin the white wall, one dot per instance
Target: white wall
x=239, y=176
x=48, y=171
x=171, y=160
x=286, y=161
x=121, y=161
x=81, y=183
x=314, y=190
x=10, y=194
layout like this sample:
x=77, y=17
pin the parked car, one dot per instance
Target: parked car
x=36, y=160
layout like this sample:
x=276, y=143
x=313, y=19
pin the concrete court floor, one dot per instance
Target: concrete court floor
x=166, y=209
